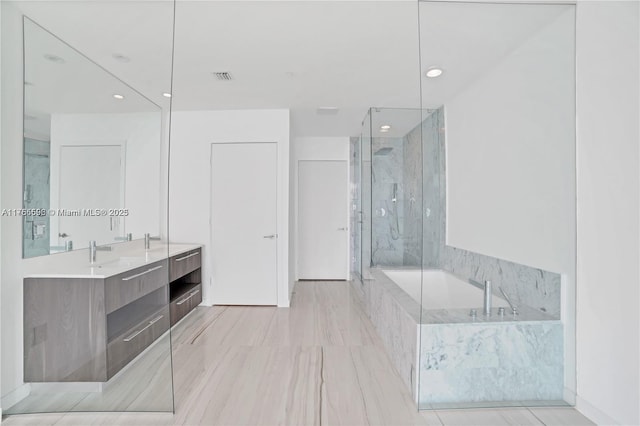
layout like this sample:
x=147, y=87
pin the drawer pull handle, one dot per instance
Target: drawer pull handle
x=180, y=259
x=142, y=273
x=134, y=335
x=193, y=293
x=184, y=300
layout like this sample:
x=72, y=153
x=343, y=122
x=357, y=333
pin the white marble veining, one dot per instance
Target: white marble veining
x=121, y=258
x=525, y=286
x=491, y=362
x=398, y=332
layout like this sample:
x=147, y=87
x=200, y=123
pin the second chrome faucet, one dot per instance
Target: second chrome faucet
x=93, y=248
x=147, y=240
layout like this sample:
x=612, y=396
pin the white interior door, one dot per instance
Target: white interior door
x=91, y=177
x=323, y=214
x=243, y=223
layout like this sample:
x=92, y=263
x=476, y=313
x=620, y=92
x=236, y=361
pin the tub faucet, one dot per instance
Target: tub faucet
x=147, y=240
x=514, y=310
x=93, y=248
x=487, y=298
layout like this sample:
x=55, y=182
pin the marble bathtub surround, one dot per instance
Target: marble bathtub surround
x=493, y=351
x=491, y=362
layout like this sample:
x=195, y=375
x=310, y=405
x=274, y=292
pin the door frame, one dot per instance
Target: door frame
x=347, y=195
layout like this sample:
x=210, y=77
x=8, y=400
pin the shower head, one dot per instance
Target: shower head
x=383, y=151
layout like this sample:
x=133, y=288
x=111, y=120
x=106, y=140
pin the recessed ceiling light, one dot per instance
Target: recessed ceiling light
x=166, y=94
x=119, y=97
x=385, y=127
x=121, y=58
x=54, y=58
x=434, y=72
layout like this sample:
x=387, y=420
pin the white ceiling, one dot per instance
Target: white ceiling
x=299, y=55
x=71, y=85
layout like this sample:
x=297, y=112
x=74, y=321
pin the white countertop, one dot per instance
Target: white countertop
x=122, y=258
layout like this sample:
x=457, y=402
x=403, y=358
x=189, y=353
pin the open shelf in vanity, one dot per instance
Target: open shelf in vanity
x=86, y=327
x=185, y=287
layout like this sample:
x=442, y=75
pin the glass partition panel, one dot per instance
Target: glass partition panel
x=356, y=207
x=365, y=138
x=498, y=295
x=90, y=324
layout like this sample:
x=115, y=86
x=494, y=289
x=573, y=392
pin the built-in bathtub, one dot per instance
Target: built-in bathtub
x=441, y=289
x=449, y=358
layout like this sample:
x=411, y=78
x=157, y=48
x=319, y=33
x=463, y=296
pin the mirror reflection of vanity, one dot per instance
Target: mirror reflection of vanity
x=92, y=148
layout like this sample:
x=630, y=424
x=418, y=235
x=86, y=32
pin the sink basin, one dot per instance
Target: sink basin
x=124, y=261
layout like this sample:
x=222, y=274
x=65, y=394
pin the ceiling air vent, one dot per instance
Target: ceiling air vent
x=223, y=76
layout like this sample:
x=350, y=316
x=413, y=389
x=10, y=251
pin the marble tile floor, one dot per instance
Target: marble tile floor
x=319, y=362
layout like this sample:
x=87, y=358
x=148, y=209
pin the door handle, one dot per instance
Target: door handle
x=342, y=229
x=271, y=237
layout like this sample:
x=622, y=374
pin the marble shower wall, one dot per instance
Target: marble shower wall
x=422, y=177
x=36, y=196
x=355, y=188
x=387, y=245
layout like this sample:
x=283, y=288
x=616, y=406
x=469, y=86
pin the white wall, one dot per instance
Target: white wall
x=141, y=134
x=511, y=155
x=608, y=324
x=316, y=148
x=192, y=133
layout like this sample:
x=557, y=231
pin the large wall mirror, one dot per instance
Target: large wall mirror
x=92, y=151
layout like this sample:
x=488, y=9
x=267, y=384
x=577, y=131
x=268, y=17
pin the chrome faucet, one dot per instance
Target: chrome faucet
x=147, y=240
x=93, y=248
x=127, y=237
x=487, y=298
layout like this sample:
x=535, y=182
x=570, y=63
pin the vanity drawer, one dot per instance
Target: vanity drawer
x=123, y=289
x=181, y=264
x=126, y=347
x=182, y=305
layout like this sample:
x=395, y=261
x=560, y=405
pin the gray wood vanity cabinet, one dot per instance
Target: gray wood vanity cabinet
x=88, y=329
